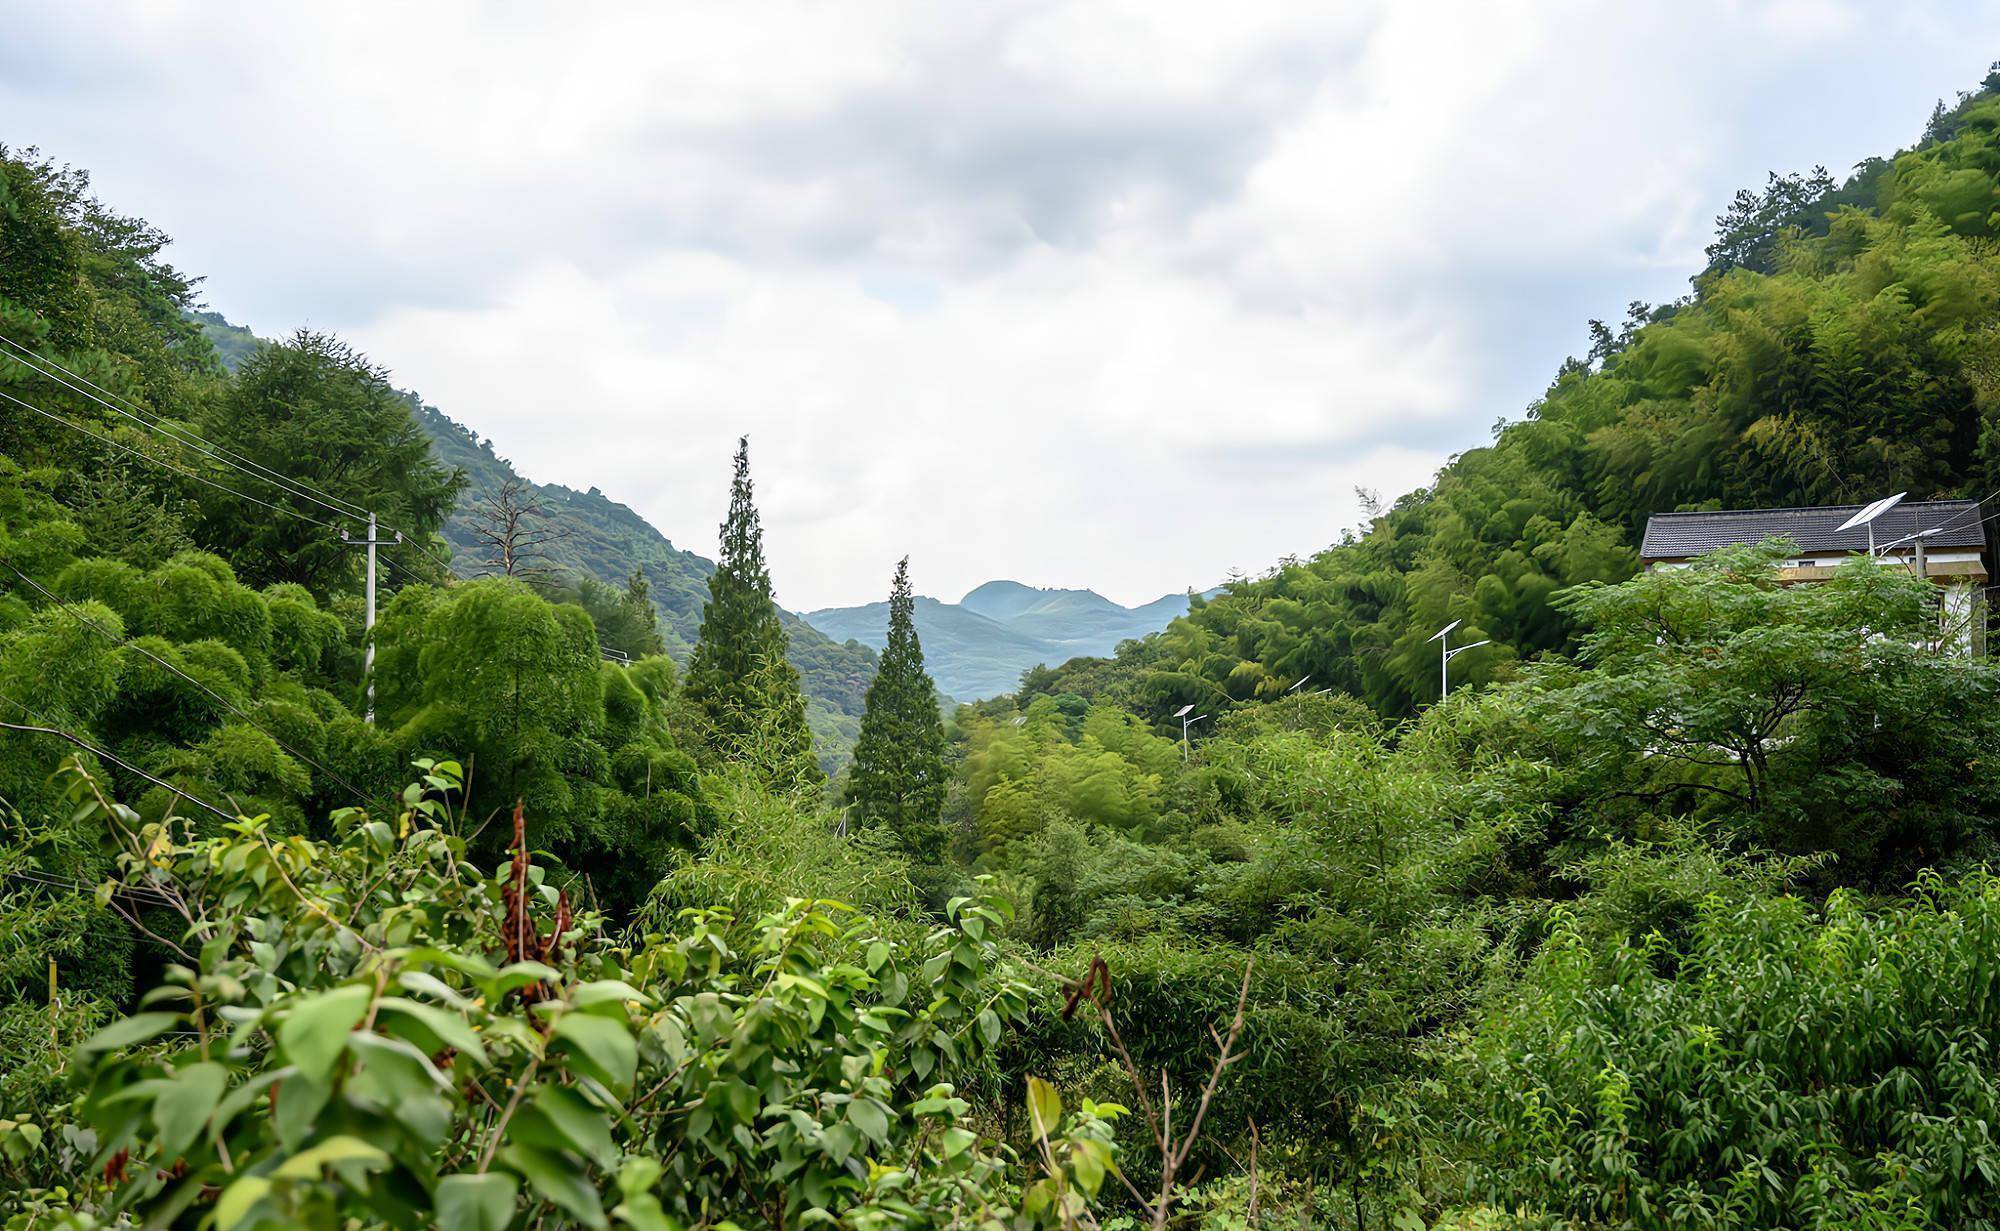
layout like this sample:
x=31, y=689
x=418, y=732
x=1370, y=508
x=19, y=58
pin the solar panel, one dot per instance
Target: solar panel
x=1447, y=628
x=1869, y=512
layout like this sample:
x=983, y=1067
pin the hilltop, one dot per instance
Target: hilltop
x=979, y=646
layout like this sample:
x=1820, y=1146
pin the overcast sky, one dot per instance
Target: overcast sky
x=1113, y=295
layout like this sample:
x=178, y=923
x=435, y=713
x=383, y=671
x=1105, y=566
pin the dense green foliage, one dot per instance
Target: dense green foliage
x=1846, y=351
x=490, y=673
x=375, y=1027
x=1677, y=916
x=1782, y=1068
x=740, y=685
x=312, y=409
x=175, y=597
x=898, y=776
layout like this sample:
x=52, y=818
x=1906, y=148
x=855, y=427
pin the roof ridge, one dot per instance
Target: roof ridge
x=1800, y=509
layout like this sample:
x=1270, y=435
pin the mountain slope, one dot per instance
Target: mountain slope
x=979, y=646
x=969, y=655
x=1842, y=344
x=603, y=538
x=606, y=540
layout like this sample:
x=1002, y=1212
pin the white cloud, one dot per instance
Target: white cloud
x=1116, y=294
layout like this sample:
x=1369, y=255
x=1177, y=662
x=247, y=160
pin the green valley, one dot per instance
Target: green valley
x=584, y=886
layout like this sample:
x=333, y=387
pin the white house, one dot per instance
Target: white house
x=1944, y=540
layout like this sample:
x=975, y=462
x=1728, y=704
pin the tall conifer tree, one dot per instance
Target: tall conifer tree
x=898, y=779
x=738, y=678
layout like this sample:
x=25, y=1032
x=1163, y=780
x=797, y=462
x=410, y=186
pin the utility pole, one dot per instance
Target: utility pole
x=373, y=541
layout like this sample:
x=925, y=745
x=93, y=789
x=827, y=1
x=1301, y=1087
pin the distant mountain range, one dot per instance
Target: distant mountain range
x=979, y=646
x=975, y=648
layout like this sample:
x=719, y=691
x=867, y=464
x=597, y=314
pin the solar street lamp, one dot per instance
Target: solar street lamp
x=1183, y=714
x=1447, y=652
x=1869, y=514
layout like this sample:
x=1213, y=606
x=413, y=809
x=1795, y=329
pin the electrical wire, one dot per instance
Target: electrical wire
x=230, y=458
x=219, y=699
x=89, y=747
x=144, y=456
x=56, y=882
x=1976, y=506
x=39, y=364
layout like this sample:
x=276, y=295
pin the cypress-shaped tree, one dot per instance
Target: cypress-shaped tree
x=739, y=681
x=898, y=778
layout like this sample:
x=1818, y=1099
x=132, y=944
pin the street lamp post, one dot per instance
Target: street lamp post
x=1447, y=652
x=1186, y=722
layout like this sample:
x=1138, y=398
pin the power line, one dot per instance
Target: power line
x=286, y=483
x=411, y=542
x=180, y=470
x=93, y=749
x=219, y=699
x=181, y=436
x=57, y=882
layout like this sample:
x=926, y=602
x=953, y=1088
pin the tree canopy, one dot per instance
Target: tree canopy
x=738, y=680
x=898, y=776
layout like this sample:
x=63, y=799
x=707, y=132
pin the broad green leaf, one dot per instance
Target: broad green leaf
x=581, y=1127
x=519, y=974
x=475, y=1202
x=444, y=1025
x=598, y=1046
x=297, y=1105
x=185, y=1105
x=135, y=1029
x=638, y=1175
x=242, y=1096
x=643, y=1213
x=557, y=1180
x=315, y=1029
x=868, y=1116
x=606, y=991
x=238, y=1199
x=1044, y=1107
x=956, y=1140
x=401, y=1069
x=341, y=1149
x=451, y=959
x=428, y=984
x=1089, y=1160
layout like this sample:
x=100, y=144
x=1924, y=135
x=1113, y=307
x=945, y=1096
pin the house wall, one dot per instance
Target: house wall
x=1961, y=576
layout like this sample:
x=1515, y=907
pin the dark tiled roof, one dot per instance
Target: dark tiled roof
x=1673, y=536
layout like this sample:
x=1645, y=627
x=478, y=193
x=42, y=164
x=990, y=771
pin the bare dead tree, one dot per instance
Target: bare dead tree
x=517, y=530
x=1174, y=1145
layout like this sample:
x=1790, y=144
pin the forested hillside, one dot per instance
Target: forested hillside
x=591, y=545
x=1679, y=914
x=592, y=538
x=1840, y=346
